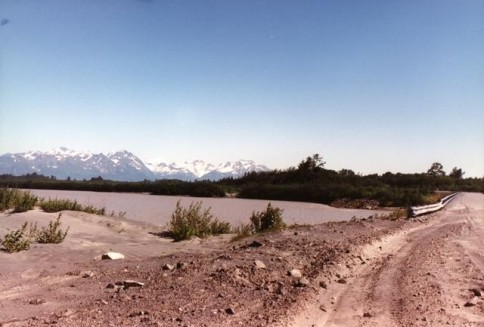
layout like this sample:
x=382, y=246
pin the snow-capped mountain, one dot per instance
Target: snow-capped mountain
x=201, y=170
x=63, y=163
x=186, y=171
x=122, y=165
x=234, y=169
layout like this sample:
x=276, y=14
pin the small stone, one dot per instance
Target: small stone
x=112, y=256
x=260, y=265
x=104, y=302
x=67, y=313
x=138, y=313
x=167, y=266
x=230, y=311
x=110, y=285
x=280, y=290
x=87, y=274
x=181, y=265
x=37, y=301
x=296, y=273
x=255, y=244
x=367, y=315
x=132, y=283
x=342, y=281
x=476, y=292
x=303, y=282
x=323, y=284
x=472, y=302
x=322, y=308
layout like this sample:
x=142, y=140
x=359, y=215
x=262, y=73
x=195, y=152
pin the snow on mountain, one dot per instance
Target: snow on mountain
x=171, y=171
x=63, y=163
x=121, y=165
x=201, y=170
x=234, y=169
x=197, y=168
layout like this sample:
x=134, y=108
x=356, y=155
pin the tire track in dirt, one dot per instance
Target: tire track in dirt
x=420, y=277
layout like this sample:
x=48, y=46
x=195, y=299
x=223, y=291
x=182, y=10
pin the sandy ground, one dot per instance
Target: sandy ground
x=372, y=272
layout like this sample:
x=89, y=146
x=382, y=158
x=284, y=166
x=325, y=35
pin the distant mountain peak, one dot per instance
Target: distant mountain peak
x=122, y=165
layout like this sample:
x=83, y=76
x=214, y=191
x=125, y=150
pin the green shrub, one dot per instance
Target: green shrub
x=268, y=220
x=17, y=240
x=24, y=201
x=56, y=205
x=219, y=227
x=193, y=221
x=93, y=210
x=52, y=233
x=18, y=200
x=7, y=196
x=20, y=239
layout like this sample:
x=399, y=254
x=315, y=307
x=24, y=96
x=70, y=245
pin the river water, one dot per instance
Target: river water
x=157, y=209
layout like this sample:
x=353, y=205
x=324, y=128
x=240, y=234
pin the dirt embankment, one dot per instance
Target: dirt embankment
x=369, y=273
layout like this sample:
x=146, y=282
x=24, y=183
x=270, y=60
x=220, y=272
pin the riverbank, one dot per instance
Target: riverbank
x=206, y=278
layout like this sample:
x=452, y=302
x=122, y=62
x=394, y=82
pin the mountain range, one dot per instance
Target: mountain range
x=121, y=166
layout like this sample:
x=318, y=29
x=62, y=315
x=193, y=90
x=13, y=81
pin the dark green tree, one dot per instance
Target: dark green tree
x=346, y=172
x=456, y=173
x=311, y=164
x=436, y=169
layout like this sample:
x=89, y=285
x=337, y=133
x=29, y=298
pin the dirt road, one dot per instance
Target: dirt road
x=428, y=275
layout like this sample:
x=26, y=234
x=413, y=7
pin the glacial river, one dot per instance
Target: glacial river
x=157, y=209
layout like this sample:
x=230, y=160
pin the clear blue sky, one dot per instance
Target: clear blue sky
x=373, y=86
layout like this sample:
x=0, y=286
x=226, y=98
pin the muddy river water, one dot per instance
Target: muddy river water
x=157, y=209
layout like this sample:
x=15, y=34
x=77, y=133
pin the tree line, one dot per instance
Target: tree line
x=309, y=181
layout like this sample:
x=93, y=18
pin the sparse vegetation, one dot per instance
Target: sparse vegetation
x=268, y=220
x=193, y=221
x=56, y=205
x=21, y=239
x=17, y=240
x=120, y=214
x=18, y=200
x=25, y=201
x=263, y=221
x=52, y=233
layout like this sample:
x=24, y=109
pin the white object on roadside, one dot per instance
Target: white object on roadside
x=112, y=256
